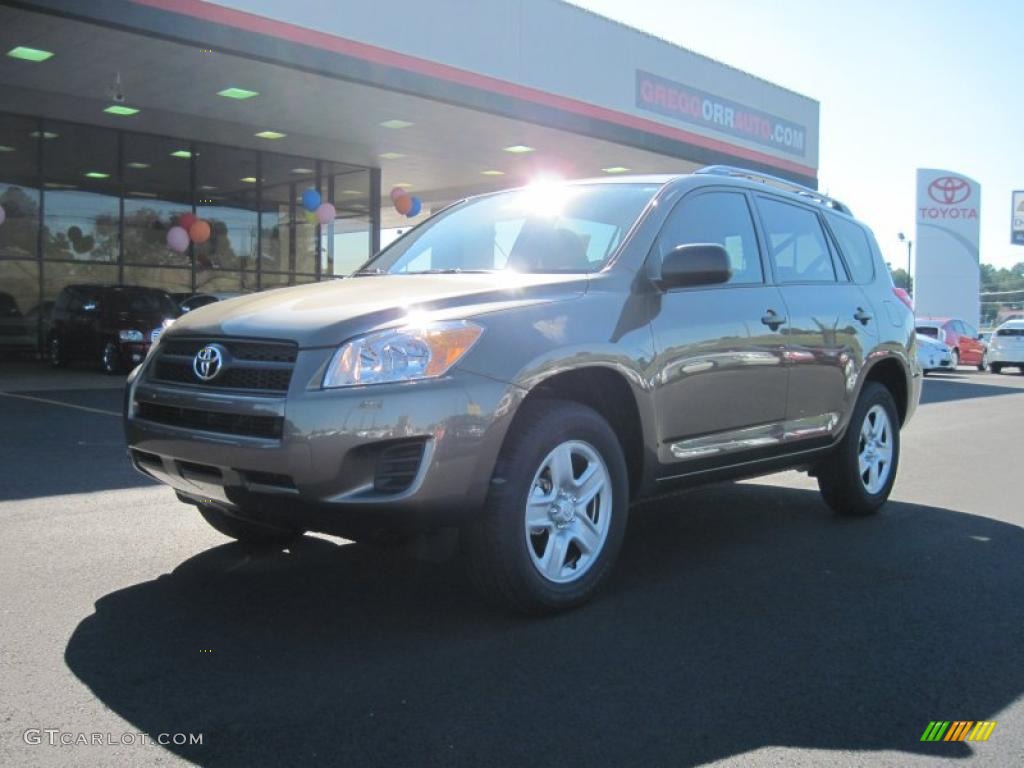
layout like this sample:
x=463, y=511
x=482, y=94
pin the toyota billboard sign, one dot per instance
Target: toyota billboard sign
x=1017, y=218
x=946, y=274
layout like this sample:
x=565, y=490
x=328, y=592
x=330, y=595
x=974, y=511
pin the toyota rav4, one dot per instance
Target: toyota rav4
x=525, y=364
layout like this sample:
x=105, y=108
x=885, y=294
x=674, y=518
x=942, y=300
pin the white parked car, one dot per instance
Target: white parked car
x=933, y=355
x=1006, y=347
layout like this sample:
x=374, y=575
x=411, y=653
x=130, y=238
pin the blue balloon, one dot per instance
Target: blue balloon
x=417, y=206
x=311, y=199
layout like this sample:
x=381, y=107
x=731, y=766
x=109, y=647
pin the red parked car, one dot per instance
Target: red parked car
x=961, y=337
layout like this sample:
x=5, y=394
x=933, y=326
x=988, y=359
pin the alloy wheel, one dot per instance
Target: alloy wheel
x=568, y=512
x=874, y=453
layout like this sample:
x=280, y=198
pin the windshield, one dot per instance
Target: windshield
x=540, y=228
x=144, y=302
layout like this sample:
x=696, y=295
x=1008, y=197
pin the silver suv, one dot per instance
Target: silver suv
x=525, y=364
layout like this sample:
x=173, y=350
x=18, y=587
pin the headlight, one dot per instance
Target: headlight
x=401, y=354
x=130, y=335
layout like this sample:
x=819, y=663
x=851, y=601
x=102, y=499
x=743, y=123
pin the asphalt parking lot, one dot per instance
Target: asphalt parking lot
x=745, y=625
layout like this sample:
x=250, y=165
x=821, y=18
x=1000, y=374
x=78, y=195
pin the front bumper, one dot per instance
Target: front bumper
x=934, y=359
x=323, y=471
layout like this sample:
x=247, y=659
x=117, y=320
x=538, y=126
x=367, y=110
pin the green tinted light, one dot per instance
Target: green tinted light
x=396, y=125
x=519, y=149
x=183, y=153
x=29, y=54
x=616, y=169
x=237, y=93
x=120, y=109
x=270, y=135
x=97, y=175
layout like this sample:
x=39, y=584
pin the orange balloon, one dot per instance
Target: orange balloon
x=199, y=231
x=403, y=204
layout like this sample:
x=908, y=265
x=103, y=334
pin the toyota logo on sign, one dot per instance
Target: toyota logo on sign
x=949, y=190
x=208, y=362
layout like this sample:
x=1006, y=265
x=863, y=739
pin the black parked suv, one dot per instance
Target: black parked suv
x=525, y=364
x=112, y=325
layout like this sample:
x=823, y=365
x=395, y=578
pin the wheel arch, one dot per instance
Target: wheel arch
x=894, y=376
x=609, y=392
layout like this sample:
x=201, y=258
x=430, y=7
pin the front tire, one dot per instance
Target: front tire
x=556, y=512
x=245, y=531
x=56, y=352
x=956, y=359
x=110, y=358
x=858, y=476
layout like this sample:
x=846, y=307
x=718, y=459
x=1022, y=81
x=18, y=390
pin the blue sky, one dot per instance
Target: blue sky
x=902, y=84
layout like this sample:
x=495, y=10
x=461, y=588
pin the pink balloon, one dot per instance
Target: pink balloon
x=325, y=213
x=177, y=239
x=397, y=192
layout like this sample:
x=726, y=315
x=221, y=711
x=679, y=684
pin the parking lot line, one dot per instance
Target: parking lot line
x=59, y=402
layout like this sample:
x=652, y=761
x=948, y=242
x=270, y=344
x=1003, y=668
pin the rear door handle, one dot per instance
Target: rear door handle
x=773, y=320
x=862, y=316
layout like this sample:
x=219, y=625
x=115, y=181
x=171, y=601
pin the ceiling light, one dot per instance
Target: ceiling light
x=44, y=135
x=182, y=153
x=390, y=155
x=5, y=148
x=59, y=185
x=270, y=135
x=396, y=124
x=519, y=149
x=29, y=54
x=617, y=169
x=96, y=175
x=492, y=172
x=237, y=93
x=248, y=179
x=303, y=170
x=209, y=186
x=141, y=194
x=120, y=109
x=402, y=184
x=138, y=165
x=351, y=192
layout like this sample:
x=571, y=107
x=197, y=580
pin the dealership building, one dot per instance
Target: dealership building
x=118, y=117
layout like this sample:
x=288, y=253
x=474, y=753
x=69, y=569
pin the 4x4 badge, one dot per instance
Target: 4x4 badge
x=208, y=362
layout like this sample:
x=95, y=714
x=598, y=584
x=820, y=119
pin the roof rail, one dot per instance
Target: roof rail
x=776, y=181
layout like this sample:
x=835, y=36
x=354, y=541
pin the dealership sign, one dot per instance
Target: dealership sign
x=689, y=105
x=1017, y=226
x=946, y=277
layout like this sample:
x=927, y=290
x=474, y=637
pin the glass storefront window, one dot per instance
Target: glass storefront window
x=59, y=274
x=346, y=241
x=226, y=198
x=158, y=183
x=22, y=316
x=289, y=235
x=19, y=190
x=82, y=188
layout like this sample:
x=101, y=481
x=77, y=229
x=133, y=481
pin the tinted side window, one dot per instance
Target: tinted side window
x=796, y=243
x=716, y=217
x=856, y=248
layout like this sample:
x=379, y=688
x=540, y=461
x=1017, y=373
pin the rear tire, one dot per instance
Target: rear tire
x=996, y=367
x=245, y=531
x=556, y=511
x=857, y=477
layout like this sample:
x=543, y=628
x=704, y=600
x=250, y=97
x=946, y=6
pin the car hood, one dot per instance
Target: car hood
x=328, y=313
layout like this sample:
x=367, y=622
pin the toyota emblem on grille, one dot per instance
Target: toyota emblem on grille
x=208, y=362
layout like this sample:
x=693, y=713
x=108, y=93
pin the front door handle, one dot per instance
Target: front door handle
x=773, y=320
x=862, y=316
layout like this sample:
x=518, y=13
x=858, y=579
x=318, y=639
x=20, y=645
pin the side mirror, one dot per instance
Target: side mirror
x=695, y=264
